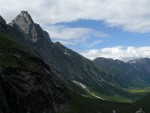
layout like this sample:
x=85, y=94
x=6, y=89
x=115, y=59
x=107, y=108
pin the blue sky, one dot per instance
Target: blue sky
x=116, y=36
x=118, y=29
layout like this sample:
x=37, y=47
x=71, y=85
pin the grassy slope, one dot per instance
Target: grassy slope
x=82, y=104
x=87, y=104
x=11, y=52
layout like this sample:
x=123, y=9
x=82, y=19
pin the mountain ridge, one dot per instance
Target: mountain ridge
x=85, y=79
x=125, y=70
x=71, y=65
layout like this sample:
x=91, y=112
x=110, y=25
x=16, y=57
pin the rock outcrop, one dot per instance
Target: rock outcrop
x=27, y=25
x=38, y=37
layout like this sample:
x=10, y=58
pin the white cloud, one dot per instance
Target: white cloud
x=131, y=15
x=119, y=52
x=73, y=35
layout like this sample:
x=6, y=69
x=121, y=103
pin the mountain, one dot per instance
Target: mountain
x=79, y=73
x=127, y=74
x=27, y=84
x=39, y=76
x=142, y=65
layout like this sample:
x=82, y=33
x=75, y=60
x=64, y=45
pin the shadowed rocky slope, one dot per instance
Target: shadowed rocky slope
x=27, y=84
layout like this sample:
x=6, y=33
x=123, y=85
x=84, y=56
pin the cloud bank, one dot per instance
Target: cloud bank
x=130, y=15
x=119, y=52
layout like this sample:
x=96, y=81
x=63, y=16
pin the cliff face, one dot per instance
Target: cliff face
x=27, y=84
x=25, y=23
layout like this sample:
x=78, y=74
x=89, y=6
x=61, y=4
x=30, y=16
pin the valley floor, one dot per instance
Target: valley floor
x=94, y=104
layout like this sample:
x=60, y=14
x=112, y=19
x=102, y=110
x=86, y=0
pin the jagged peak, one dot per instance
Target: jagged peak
x=24, y=12
x=32, y=30
x=23, y=21
x=23, y=18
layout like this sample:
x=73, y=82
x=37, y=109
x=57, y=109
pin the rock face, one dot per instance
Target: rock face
x=27, y=84
x=38, y=37
x=24, y=22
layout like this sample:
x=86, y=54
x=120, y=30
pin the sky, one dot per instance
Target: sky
x=118, y=29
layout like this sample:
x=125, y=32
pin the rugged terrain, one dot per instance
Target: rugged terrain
x=27, y=84
x=77, y=72
x=34, y=74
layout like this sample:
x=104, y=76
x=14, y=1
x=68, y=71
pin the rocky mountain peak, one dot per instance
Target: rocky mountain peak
x=33, y=31
x=23, y=21
x=23, y=17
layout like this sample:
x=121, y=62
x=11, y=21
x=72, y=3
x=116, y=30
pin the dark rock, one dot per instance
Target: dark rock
x=27, y=84
x=2, y=24
x=2, y=20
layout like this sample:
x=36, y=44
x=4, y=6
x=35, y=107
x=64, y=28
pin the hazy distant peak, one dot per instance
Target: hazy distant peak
x=140, y=60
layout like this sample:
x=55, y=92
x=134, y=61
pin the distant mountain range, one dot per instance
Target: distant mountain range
x=134, y=73
x=56, y=72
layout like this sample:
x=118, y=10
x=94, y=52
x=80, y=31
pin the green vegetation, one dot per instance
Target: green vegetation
x=12, y=52
x=139, y=90
x=89, y=104
x=82, y=104
x=114, y=98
